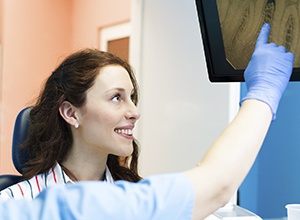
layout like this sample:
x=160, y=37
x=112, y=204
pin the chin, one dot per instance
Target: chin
x=123, y=150
x=126, y=152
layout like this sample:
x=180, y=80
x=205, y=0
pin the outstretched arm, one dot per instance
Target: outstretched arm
x=229, y=159
x=231, y=156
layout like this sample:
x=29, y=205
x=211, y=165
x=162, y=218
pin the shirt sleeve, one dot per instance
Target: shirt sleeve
x=168, y=196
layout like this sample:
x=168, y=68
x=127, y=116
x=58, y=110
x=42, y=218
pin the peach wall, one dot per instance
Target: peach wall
x=36, y=35
x=1, y=19
x=91, y=15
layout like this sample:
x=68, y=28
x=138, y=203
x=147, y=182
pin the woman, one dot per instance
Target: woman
x=81, y=126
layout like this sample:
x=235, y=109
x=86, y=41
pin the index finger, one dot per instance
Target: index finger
x=263, y=35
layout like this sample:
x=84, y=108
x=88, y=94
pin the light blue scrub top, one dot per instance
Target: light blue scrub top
x=168, y=196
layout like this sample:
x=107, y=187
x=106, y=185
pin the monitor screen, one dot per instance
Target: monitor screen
x=229, y=30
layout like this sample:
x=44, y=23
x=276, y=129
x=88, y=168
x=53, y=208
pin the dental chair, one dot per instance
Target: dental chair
x=19, y=156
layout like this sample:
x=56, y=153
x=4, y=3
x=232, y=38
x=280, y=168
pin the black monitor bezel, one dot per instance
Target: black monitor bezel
x=219, y=69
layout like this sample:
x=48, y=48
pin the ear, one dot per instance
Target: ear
x=68, y=113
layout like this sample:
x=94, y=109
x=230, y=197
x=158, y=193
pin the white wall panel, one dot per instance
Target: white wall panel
x=182, y=112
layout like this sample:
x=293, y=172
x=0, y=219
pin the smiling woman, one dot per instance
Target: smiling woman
x=82, y=125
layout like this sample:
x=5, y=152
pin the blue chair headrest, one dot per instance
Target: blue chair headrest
x=20, y=156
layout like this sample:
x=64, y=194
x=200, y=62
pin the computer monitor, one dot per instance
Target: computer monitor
x=229, y=30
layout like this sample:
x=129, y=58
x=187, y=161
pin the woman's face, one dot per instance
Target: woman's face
x=109, y=115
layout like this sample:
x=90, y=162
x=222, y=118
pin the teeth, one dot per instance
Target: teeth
x=124, y=131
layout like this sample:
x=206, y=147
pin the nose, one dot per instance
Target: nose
x=132, y=112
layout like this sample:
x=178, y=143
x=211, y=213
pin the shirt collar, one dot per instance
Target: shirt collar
x=108, y=176
x=58, y=169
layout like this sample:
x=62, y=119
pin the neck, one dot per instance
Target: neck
x=82, y=167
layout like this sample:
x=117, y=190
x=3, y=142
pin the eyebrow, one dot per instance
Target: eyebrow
x=120, y=90
x=116, y=89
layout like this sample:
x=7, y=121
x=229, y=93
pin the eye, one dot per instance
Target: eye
x=133, y=98
x=116, y=98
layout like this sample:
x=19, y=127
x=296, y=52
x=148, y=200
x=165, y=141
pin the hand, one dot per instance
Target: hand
x=268, y=71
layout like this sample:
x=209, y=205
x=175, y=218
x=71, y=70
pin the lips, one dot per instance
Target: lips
x=125, y=131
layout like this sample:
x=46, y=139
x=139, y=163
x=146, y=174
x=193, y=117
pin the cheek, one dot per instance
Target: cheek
x=95, y=129
x=100, y=120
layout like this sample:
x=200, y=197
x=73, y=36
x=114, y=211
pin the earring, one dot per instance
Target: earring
x=76, y=125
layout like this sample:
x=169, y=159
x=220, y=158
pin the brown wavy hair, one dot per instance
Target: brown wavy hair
x=50, y=137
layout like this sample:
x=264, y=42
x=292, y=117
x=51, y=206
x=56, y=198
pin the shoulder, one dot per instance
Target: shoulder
x=16, y=191
x=167, y=196
x=172, y=196
x=32, y=187
x=154, y=198
x=27, y=189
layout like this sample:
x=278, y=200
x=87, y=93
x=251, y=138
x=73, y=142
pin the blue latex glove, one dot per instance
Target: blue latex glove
x=268, y=71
